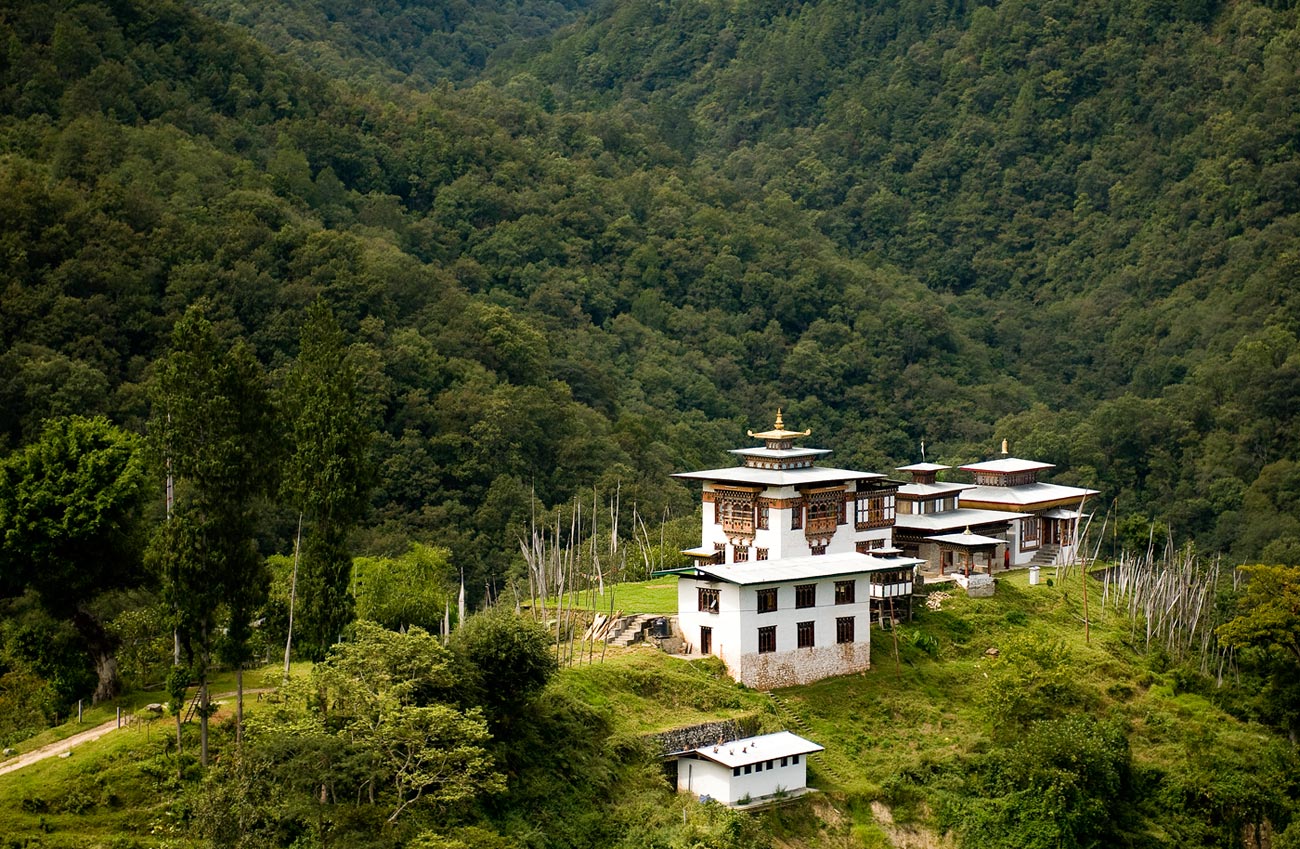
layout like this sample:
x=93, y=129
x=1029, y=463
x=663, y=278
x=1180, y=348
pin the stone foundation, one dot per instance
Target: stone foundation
x=803, y=666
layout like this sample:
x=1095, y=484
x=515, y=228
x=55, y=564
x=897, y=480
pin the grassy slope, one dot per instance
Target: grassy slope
x=904, y=717
x=115, y=793
x=913, y=711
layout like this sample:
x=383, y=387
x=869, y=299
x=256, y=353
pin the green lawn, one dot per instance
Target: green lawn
x=658, y=595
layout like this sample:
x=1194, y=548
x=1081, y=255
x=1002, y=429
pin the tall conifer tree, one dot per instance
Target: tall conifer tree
x=328, y=475
x=212, y=424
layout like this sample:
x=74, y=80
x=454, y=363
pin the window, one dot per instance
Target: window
x=760, y=554
x=740, y=553
x=805, y=595
x=769, y=765
x=875, y=510
x=735, y=770
x=817, y=549
x=708, y=600
x=767, y=639
x=843, y=631
x=748, y=769
x=796, y=516
x=735, y=511
x=805, y=632
x=794, y=760
x=764, y=514
x=767, y=600
x=824, y=511
x=1029, y=531
x=719, y=553
x=785, y=761
x=846, y=592
x=863, y=546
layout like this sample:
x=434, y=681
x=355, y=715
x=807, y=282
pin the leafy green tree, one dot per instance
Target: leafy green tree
x=70, y=517
x=509, y=659
x=1267, y=622
x=328, y=475
x=212, y=426
x=414, y=588
x=1065, y=783
x=365, y=743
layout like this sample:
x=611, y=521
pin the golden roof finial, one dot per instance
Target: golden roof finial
x=779, y=432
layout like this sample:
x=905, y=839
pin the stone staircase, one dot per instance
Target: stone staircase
x=832, y=764
x=1046, y=555
x=628, y=629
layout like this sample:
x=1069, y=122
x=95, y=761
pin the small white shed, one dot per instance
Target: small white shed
x=752, y=769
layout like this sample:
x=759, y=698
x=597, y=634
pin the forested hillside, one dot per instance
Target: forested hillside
x=401, y=279
x=1070, y=226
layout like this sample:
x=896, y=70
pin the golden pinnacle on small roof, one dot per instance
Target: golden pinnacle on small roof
x=778, y=432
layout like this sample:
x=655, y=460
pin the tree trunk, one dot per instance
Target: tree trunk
x=239, y=704
x=103, y=649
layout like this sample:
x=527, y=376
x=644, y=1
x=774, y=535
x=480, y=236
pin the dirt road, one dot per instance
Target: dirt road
x=52, y=749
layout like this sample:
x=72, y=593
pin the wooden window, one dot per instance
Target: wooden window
x=823, y=512
x=876, y=510
x=767, y=600
x=736, y=510
x=843, y=517
x=794, y=760
x=1029, y=531
x=846, y=592
x=760, y=554
x=785, y=761
x=796, y=516
x=708, y=600
x=748, y=769
x=735, y=770
x=866, y=545
x=740, y=554
x=805, y=595
x=719, y=553
x=764, y=515
x=843, y=631
x=805, y=632
x=817, y=549
x=767, y=639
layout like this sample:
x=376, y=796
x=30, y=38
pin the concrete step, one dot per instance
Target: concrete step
x=629, y=629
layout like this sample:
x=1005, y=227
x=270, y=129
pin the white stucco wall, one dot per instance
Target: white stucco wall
x=706, y=778
x=735, y=631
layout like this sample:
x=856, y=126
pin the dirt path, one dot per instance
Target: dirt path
x=89, y=735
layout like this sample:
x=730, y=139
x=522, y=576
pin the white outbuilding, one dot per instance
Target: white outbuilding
x=750, y=771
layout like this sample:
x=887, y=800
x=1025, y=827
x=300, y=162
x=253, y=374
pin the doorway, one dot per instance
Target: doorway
x=706, y=640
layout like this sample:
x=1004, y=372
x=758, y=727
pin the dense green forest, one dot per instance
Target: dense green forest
x=504, y=257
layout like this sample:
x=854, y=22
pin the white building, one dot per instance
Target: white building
x=793, y=557
x=1047, y=528
x=754, y=769
x=929, y=509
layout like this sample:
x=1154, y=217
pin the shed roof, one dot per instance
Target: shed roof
x=799, y=568
x=751, y=750
x=779, y=477
x=1007, y=465
x=966, y=539
x=1028, y=495
x=962, y=517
